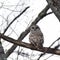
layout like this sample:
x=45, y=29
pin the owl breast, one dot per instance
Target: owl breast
x=36, y=39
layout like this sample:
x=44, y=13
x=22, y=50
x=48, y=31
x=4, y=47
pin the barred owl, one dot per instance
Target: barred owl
x=36, y=36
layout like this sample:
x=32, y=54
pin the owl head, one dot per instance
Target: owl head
x=34, y=28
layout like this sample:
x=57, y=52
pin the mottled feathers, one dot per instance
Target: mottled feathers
x=36, y=36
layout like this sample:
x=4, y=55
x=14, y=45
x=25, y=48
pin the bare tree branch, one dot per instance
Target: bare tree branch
x=15, y=18
x=12, y=22
x=26, y=45
x=49, y=13
x=55, y=6
x=56, y=47
x=23, y=34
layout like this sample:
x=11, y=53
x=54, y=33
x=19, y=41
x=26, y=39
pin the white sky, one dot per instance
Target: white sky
x=49, y=25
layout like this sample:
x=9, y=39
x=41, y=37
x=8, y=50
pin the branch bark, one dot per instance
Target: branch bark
x=39, y=17
x=26, y=45
x=55, y=6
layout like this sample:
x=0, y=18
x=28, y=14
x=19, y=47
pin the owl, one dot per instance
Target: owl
x=36, y=36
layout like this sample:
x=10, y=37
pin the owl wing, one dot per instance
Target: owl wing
x=32, y=39
x=41, y=37
x=40, y=40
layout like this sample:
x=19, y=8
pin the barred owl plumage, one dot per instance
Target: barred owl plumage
x=36, y=36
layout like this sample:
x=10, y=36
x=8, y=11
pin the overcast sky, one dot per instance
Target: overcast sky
x=49, y=25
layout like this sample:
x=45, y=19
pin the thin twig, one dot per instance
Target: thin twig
x=23, y=34
x=15, y=18
x=48, y=57
x=56, y=47
x=49, y=13
x=49, y=48
x=13, y=21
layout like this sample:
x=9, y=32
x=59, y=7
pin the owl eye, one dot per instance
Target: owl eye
x=37, y=27
x=32, y=27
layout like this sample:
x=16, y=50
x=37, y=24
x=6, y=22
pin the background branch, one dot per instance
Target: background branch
x=8, y=53
x=23, y=34
x=15, y=19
